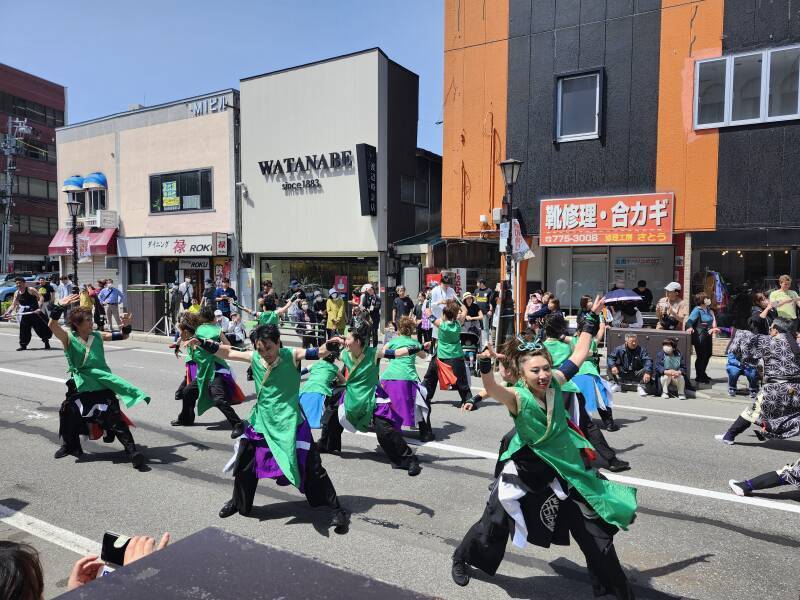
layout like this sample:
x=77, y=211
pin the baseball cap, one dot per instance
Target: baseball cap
x=365, y=287
x=673, y=286
x=218, y=313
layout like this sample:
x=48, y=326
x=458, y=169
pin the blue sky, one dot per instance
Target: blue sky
x=111, y=54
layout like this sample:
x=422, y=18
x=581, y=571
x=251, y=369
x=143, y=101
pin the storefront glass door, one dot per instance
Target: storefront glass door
x=589, y=276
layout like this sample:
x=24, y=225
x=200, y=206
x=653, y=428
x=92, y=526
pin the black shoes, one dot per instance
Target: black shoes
x=66, y=451
x=610, y=425
x=228, y=509
x=425, y=433
x=238, y=430
x=138, y=460
x=616, y=465
x=413, y=466
x=178, y=423
x=46, y=345
x=460, y=573
x=109, y=437
x=21, y=348
x=340, y=521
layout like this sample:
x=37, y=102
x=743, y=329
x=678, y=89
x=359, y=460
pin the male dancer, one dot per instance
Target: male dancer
x=93, y=391
x=26, y=302
x=277, y=443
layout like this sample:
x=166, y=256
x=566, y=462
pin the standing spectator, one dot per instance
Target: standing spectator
x=46, y=296
x=209, y=295
x=335, y=310
x=295, y=291
x=630, y=363
x=224, y=296
x=26, y=303
x=702, y=325
x=484, y=297
x=307, y=323
x=65, y=287
x=320, y=307
x=473, y=321
x=534, y=305
x=424, y=325
x=98, y=313
x=403, y=305
x=266, y=297
x=439, y=297
x=670, y=369
x=371, y=304
x=626, y=315
x=647, y=296
x=111, y=297
x=785, y=300
x=671, y=309
x=186, y=292
x=762, y=315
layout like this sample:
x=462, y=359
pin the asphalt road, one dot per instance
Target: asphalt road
x=691, y=539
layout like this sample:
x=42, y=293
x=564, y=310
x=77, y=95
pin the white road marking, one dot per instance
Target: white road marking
x=635, y=481
x=33, y=375
x=50, y=533
x=675, y=414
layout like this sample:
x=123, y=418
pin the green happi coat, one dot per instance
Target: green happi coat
x=559, y=352
x=362, y=378
x=206, y=365
x=557, y=444
x=88, y=368
x=268, y=317
x=403, y=368
x=276, y=414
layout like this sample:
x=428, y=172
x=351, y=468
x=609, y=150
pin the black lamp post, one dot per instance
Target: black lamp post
x=511, y=168
x=74, y=208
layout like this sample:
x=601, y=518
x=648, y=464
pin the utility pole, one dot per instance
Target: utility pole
x=16, y=129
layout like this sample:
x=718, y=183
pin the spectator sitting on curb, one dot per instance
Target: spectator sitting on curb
x=630, y=363
x=670, y=369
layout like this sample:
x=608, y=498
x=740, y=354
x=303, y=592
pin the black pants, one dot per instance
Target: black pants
x=319, y=490
x=71, y=424
x=188, y=394
x=424, y=335
x=593, y=433
x=375, y=326
x=485, y=544
x=36, y=322
x=431, y=380
x=628, y=377
x=330, y=437
x=703, y=349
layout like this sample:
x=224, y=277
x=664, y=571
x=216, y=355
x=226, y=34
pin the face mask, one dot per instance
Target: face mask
x=334, y=296
x=667, y=349
x=707, y=302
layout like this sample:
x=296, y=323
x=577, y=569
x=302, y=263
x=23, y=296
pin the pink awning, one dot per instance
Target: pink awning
x=101, y=241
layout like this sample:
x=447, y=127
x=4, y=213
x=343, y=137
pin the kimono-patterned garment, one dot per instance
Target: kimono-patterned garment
x=791, y=473
x=776, y=411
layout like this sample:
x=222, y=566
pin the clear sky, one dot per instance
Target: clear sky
x=112, y=54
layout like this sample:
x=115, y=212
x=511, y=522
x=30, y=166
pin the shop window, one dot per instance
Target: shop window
x=578, y=107
x=747, y=88
x=95, y=200
x=180, y=192
x=784, y=73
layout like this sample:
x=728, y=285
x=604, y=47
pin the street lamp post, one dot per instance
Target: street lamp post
x=511, y=168
x=74, y=208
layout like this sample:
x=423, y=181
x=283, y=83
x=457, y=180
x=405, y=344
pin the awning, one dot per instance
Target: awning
x=72, y=184
x=95, y=181
x=101, y=241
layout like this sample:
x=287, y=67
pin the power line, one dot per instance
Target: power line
x=15, y=131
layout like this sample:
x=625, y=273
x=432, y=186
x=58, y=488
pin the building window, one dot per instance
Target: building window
x=578, y=106
x=39, y=226
x=33, y=111
x=747, y=88
x=95, y=200
x=407, y=185
x=179, y=192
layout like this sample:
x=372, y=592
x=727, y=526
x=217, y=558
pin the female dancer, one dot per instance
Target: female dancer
x=317, y=392
x=555, y=327
x=596, y=390
x=400, y=380
x=788, y=475
x=93, y=391
x=776, y=410
x=558, y=495
x=270, y=317
x=277, y=442
x=208, y=381
x=360, y=407
x=448, y=362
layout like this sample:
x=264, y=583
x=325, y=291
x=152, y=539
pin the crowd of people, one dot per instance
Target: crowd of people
x=550, y=383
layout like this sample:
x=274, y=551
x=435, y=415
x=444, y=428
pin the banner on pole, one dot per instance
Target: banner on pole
x=84, y=249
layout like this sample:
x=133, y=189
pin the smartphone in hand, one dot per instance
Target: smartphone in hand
x=114, y=546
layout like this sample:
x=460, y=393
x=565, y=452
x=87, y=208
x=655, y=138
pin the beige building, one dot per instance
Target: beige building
x=159, y=194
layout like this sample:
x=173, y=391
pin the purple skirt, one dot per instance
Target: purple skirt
x=265, y=465
x=227, y=377
x=403, y=395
